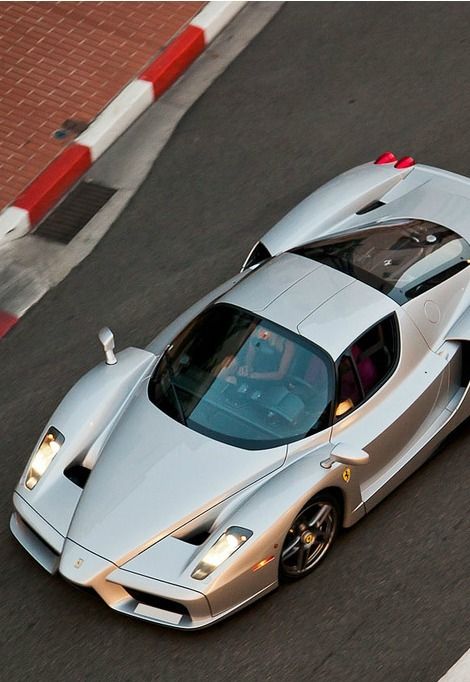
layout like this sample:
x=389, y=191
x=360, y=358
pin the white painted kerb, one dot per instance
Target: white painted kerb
x=215, y=16
x=117, y=117
x=14, y=223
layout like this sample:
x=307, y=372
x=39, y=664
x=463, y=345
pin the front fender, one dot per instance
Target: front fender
x=85, y=417
x=268, y=512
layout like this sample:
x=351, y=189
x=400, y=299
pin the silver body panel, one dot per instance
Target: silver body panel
x=155, y=484
x=134, y=498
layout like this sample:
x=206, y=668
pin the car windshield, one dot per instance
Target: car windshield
x=402, y=259
x=244, y=380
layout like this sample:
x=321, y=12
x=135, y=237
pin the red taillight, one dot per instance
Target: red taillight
x=405, y=162
x=386, y=157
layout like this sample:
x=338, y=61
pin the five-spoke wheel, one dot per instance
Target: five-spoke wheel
x=309, y=537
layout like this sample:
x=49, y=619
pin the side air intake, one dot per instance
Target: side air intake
x=370, y=207
x=257, y=255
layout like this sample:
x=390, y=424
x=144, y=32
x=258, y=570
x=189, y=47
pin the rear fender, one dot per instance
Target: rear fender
x=322, y=212
x=460, y=331
x=460, y=334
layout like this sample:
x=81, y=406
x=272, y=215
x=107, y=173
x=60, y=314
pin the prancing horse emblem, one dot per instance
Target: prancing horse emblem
x=347, y=475
x=78, y=563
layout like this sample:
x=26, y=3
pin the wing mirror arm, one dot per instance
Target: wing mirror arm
x=345, y=454
x=106, y=337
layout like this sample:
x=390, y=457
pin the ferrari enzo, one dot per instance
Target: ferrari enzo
x=184, y=481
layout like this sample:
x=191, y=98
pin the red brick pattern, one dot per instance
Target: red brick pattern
x=67, y=60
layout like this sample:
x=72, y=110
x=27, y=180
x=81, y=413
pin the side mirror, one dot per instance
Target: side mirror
x=106, y=337
x=345, y=454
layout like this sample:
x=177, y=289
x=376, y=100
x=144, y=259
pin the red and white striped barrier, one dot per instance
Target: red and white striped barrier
x=48, y=188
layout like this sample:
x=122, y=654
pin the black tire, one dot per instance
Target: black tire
x=310, y=537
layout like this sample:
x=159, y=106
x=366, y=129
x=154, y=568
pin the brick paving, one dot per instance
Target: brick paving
x=66, y=60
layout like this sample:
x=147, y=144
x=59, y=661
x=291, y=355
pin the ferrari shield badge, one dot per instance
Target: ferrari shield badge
x=347, y=475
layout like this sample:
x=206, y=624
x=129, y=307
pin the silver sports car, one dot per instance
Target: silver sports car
x=184, y=481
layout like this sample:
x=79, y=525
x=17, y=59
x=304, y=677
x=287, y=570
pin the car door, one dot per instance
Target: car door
x=391, y=393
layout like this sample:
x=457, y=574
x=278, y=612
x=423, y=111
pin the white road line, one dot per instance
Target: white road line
x=460, y=671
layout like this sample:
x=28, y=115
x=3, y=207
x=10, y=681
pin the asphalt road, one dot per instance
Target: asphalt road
x=323, y=88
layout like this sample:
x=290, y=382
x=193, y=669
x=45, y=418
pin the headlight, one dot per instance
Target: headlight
x=226, y=545
x=50, y=446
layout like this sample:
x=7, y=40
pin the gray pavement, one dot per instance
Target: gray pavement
x=322, y=88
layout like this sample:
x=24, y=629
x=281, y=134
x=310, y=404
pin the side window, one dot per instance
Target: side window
x=349, y=390
x=366, y=364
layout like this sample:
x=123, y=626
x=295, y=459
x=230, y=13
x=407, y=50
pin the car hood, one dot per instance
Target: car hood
x=153, y=476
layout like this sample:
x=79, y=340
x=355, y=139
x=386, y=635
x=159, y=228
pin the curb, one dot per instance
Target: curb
x=48, y=188
x=33, y=204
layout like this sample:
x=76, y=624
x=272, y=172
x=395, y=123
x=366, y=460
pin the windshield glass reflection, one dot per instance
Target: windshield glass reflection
x=243, y=380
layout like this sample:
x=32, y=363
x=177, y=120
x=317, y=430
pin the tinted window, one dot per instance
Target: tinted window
x=349, y=391
x=367, y=364
x=401, y=259
x=243, y=380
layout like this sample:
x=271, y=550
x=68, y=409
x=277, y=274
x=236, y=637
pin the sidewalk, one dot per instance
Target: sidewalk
x=75, y=76
x=61, y=64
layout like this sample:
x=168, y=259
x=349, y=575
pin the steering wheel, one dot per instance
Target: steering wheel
x=300, y=383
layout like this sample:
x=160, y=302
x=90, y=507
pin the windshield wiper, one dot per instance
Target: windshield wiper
x=171, y=374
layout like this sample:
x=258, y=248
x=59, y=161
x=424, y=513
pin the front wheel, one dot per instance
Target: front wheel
x=310, y=537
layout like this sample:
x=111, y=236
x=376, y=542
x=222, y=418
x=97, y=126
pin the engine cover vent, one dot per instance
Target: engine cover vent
x=370, y=207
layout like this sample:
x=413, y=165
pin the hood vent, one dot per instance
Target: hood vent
x=78, y=474
x=196, y=538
